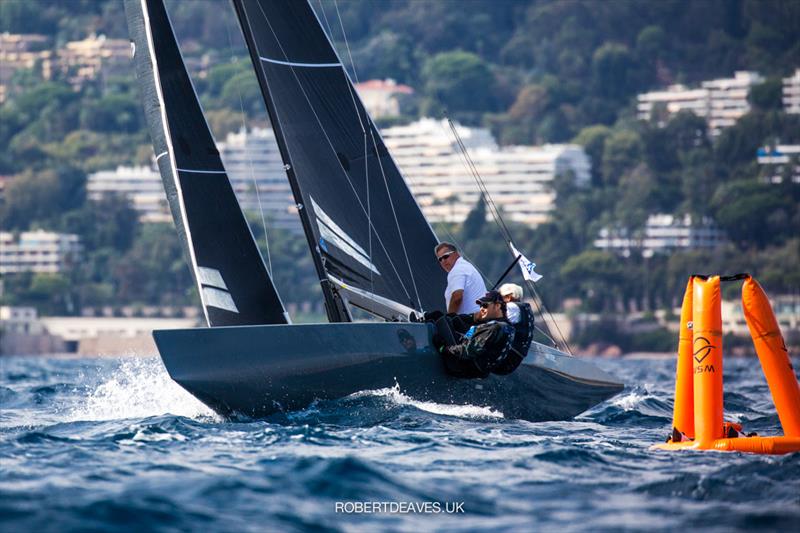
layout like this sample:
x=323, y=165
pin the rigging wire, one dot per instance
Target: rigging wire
x=234, y=60
x=497, y=216
x=363, y=132
x=377, y=157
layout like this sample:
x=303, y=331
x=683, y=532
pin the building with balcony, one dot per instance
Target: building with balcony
x=721, y=102
x=42, y=252
x=780, y=163
x=382, y=97
x=23, y=51
x=727, y=99
x=256, y=171
x=662, y=234
x=791, y=93
x=94, y=57
x=676, y=98
x=518, y=178
x=141, y=185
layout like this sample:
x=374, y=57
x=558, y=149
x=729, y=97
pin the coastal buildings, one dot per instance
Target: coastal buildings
x=94, y=57
x=662, y=233
x=791, y=93
x=727, y=99
x=780, y=163
x=77, y=62
x=142, y=185
x=721, y=102
x=671, y=101
x=42, y=252
x=518, y=178
x=382, y=97
x=254, y=167
x=256, y=172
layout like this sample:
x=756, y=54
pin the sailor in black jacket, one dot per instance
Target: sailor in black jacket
x=484, y=345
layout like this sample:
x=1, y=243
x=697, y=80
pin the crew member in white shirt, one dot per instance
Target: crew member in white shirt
x=464, y=283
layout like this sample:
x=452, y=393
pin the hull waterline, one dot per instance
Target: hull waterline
x=260, y=370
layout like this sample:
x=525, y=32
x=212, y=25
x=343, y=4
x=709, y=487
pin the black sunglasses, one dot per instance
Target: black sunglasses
x=445, y=256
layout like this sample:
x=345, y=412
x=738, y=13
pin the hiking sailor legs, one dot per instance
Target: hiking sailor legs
x=483, y=346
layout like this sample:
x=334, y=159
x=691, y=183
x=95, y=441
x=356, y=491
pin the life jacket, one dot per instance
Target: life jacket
x=523, y=337
x=489, y=344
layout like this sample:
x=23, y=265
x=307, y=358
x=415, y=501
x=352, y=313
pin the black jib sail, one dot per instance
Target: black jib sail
x=231, y=277
x=371, y=242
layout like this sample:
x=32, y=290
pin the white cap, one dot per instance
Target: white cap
x=511, y=288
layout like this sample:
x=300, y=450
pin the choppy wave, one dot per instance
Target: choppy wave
x=114, y=444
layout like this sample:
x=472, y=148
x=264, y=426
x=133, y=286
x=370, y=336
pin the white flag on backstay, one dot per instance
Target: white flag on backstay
x=525, y=265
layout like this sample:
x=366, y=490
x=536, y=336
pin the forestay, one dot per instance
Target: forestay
x=231, y=277
x=371, y=241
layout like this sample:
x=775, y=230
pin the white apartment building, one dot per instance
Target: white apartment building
x=791, y=93
x=721, y=102
x=94, y=56
x=256, y=172
x=380, y=97
x=662, y=233
x=254, y=167
x=782, y=162
x=728, y=99
x=671, y=101
x=22, y=51
x=142, y=185
x=38, y=251
x=518, y=178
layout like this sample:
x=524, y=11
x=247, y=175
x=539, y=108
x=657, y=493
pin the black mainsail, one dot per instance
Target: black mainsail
x=232, y=280
x=371, y=243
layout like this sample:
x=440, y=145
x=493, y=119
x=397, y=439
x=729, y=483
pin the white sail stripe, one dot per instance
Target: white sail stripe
x=162, y=154
x=331, y=232
x=193, y=171
x=211, y=277
x=304, y=65
x=219, y=299
x=333, y=226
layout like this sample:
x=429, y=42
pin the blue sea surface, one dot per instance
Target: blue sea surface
x=115, y=445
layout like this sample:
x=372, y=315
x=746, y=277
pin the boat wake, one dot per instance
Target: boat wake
x=138, y=388
x=395, y=396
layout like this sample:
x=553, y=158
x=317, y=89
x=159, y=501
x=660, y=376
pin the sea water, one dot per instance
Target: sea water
x=115, y=445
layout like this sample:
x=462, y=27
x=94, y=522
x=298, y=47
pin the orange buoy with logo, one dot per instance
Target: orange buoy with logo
x=683, y=412
x=707, y=358
x=710, y=430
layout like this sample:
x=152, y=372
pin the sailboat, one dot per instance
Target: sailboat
x=371, y=245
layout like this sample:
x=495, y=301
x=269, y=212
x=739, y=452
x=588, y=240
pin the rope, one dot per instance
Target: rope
x=498, y=218
x=234, y=60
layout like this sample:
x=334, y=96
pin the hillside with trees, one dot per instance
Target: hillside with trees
x=533, y=72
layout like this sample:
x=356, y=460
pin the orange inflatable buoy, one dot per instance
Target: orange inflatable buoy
x=683, y=413
x=698, y=422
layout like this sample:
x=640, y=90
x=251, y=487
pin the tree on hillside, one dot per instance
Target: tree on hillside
x=460, y=81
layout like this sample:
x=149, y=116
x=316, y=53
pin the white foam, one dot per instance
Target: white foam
x=394, y=395
x=138, y=388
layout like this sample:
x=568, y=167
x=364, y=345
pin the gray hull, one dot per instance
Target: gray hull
x=259, y=370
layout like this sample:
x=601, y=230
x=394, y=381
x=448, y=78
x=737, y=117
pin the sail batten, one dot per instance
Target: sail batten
x=232, y=281
x=340, y=169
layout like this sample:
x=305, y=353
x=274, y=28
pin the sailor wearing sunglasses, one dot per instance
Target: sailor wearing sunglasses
x=464, y=282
